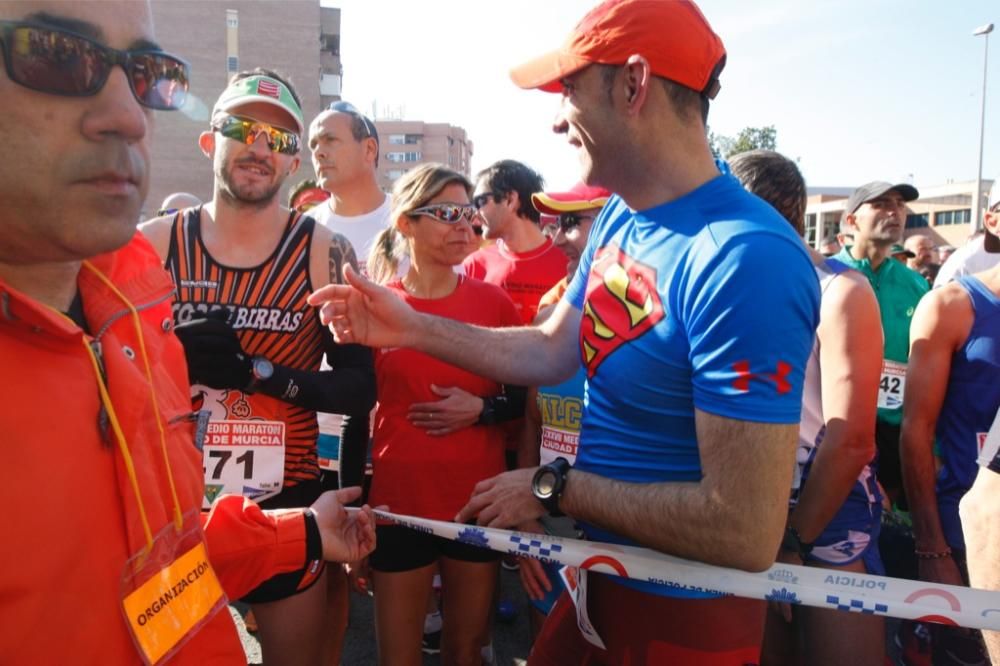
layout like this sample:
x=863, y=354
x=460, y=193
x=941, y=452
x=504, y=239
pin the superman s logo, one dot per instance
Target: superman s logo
x=620, y=306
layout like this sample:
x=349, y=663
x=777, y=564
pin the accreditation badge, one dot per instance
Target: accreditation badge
x=171, y=592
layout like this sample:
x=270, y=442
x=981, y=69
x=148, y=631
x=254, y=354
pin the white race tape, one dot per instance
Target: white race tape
x=823, y=588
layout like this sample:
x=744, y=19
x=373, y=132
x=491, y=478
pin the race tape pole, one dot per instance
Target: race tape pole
x=794, y=584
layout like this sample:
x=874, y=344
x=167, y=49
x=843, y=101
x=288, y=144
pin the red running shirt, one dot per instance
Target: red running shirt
x=415, y=473
x=524, y=276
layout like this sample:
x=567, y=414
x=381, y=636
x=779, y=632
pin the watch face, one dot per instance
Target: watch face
x=546, y=483
x=262, y=369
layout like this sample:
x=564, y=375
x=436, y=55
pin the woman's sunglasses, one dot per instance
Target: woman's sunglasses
x=246, y=130
x=448, y=213
x=60, y=62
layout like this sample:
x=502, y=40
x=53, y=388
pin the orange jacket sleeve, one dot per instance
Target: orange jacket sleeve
x=247, y=545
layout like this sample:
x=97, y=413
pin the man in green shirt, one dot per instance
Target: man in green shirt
x=876, y=215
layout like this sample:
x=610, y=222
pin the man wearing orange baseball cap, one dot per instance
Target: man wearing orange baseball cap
x=635, y=78
x=693, y=313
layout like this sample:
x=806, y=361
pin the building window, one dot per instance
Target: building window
x=330, y=44
x=232, y=18
x=915, y=221
x=233, y=64
x=393, y=174
x=952, y=217
x=810, y=231
x=403, y=139
x=403, y=157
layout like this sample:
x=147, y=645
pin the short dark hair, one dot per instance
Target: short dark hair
x=687, y=102
x=260, y=71
x=775, y=179
x=506, y=176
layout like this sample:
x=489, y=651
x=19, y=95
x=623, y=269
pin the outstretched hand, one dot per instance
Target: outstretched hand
x=347, y=536
x=363, y=312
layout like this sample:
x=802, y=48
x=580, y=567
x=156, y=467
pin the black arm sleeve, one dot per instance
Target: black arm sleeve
x=509, y=405
x=354, y=449
x=349, y=388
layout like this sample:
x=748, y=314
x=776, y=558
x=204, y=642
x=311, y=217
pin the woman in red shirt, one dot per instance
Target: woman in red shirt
x=433, y=439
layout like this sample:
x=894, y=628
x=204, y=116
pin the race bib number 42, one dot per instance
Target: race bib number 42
x=891, y=385
x=245, y=458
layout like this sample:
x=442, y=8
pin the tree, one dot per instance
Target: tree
x=749, y=138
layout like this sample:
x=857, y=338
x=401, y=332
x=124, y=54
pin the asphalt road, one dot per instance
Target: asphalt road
x=511, y=640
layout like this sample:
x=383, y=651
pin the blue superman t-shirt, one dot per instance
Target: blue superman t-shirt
x=709, y=301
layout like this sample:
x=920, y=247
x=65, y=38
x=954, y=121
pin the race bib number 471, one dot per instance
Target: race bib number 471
x=245, y=458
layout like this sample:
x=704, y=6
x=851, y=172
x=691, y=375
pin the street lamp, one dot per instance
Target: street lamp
x=978, y=201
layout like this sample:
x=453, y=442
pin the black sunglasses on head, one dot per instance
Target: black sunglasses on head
x=347, y=107
x=61, y=62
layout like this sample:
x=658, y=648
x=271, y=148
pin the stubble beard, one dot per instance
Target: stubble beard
x=240, y=197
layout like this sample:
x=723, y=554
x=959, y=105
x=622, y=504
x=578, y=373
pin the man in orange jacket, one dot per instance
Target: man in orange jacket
x=104, y=482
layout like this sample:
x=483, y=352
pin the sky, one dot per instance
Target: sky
x=858, y=90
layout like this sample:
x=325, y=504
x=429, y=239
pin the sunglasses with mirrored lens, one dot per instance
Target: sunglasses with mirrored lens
x=60, y=62
x=246, y=130
x=448, y=213
x=166, y=211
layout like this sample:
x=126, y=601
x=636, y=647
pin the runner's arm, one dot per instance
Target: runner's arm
x=734, y=517
x=366, y=313
x=940, y=324
x=348, y=388
x=354, y=436
x=850, y=365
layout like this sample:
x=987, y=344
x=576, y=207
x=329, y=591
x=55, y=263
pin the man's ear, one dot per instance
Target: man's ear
x=294, y=166
x=371, y=149
x=638, y=77
x=206, y=142
x=513, y=201
x=991, y=222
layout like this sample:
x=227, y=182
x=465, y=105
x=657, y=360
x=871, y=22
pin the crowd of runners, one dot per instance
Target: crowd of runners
x=652, y=356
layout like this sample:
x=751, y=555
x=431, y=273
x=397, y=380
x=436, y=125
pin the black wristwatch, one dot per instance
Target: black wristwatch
x=489, y=415
x=260, y=371
x=549, y=483
x=793, y=543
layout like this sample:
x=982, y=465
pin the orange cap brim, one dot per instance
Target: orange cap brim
x=548, y=205
x=547, y=71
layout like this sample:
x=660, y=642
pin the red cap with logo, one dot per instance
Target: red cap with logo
x=579, y=197
x=672, y=35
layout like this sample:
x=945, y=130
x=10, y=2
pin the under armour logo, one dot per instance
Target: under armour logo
x=778, y=378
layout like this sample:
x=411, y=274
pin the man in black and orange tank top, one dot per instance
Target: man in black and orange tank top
x=243, y=266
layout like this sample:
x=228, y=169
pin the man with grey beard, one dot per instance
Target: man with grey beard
x=243, y=266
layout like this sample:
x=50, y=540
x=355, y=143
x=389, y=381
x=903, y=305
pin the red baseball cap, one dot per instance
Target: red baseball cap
x=579, y=197
x=312, y=196
x=672, y=35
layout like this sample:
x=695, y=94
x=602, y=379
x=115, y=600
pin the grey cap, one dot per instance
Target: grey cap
x=874, y=190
